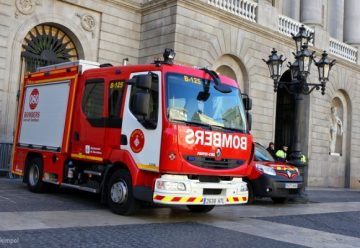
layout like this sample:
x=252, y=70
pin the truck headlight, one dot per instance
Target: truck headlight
x=170, y=186
x=265, y=169
x=243, y=188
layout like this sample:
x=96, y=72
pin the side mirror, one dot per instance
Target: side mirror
x=223, y=88
x=144, y=82
x=141, y=81
x=247, y=101
x=203, y=96
x=249, y=120
x=141, y=103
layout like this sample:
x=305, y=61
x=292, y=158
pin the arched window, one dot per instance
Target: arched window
x=46, y=45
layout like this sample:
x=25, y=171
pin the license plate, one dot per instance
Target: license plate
x=214, y=201
x=291, y=185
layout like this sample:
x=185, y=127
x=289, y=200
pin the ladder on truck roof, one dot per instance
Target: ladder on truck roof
x=83, y=65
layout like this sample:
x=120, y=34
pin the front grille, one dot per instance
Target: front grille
x=211, y=163
x=210, y=179
x=283, y=173
x=294, y=191
x=212, y=191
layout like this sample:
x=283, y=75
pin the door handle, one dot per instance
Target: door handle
x=76, y=136
x=124, y=141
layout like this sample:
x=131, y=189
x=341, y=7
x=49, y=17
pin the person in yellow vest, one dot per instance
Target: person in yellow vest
x=281, y=155
x=303, y=159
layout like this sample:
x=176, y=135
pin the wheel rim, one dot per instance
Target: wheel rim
x=34, y=175
x=119, y=192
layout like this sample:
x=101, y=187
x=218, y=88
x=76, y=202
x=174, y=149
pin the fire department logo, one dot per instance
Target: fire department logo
x=34, y=99
x=288, y=173
x=218, y=153
x=137, y=141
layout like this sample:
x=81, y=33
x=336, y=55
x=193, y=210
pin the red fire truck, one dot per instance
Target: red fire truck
x=160, y=133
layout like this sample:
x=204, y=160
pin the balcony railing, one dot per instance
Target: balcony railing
x=343, y=50
x=288, y=26
x=243, y=8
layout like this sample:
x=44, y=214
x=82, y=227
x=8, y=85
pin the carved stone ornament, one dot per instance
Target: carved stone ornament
x=88, y=22
x=26, y=7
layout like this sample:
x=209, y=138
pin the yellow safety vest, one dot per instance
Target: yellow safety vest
x=303, y=158
x=280, y=154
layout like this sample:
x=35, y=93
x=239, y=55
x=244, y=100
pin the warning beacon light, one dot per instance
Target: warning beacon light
x=169, y=55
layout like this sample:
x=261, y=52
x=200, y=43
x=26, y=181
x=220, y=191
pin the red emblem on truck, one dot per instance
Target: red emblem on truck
x=34, y=99
x=137, y=140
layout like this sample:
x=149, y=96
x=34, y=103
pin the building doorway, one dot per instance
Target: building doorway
x=285, y=110
x=46, y=44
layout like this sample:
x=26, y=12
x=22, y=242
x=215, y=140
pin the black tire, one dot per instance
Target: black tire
x=52, y=188
x=34, y=176
x=251, y=192
x=120, y=197
x=279, y=200
x=200, y=208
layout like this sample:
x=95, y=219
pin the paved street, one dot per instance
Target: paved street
x=69, y=218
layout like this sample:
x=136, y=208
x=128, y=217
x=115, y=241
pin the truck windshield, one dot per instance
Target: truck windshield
x=195, y=101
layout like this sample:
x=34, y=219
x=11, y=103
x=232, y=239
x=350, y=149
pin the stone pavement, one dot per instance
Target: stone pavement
x=69, y=218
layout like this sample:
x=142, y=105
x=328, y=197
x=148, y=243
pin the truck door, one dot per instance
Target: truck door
x=115, y=88
x=144, y=141
x=89, y=121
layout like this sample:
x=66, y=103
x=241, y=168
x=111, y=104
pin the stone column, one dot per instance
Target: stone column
x=291, y=9
x=312, y=12
x=267, y=15
x=335, y=18
x=351, y=22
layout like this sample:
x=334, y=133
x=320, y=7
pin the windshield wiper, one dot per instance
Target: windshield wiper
x=192, y=123
x=228, y=128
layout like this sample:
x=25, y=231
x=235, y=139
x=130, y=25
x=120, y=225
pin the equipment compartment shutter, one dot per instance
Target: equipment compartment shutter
x=44, y=113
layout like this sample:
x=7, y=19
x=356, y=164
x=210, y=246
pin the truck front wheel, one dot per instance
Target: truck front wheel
x=34, y=176
x=120, y=195
x=250, y=192
x=200, y=208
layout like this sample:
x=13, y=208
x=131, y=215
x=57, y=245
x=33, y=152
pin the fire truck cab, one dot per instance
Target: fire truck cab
x=160, y=133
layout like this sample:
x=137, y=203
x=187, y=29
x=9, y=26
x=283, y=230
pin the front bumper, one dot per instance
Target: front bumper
x=269, y=186
x=194, y=192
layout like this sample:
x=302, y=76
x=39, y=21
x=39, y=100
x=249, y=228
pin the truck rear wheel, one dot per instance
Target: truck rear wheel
x=200, y=208
x=34, y=176
x=120, y=195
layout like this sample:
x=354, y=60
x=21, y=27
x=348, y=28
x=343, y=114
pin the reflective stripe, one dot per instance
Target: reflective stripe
x=82, y=156
x=148, y=167
x=236, y=199
x=284, y=168
x=178, y=199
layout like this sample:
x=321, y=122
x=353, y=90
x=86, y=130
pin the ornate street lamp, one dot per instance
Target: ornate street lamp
x=304, y=58
x=275, y=67
x=324, y=66
x=302, y=38
x=298, y=86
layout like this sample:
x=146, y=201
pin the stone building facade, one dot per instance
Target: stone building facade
x=230, y=36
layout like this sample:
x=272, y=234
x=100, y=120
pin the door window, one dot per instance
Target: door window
x=93, y=101
x=116, y=90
